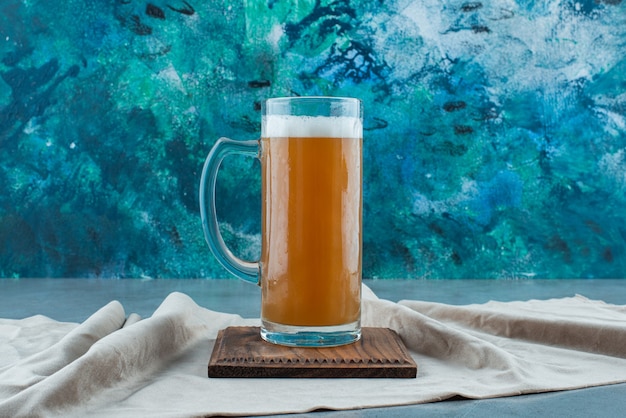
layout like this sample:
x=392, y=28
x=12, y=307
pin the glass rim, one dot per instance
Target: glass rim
x=313, y=98
x=313, y=106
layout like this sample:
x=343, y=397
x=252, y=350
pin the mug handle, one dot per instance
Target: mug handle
x=245, y=270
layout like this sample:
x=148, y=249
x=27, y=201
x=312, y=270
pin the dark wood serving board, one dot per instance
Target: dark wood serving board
x=241, y=352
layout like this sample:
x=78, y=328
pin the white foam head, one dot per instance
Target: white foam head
x=311, y=126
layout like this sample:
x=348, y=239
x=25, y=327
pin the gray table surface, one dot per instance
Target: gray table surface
x=75, y=299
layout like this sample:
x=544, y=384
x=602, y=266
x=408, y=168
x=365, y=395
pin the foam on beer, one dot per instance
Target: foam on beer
x=311, y=126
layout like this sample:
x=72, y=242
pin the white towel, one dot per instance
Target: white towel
x=113, y=365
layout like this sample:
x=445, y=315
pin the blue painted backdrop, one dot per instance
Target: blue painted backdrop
x=495, y=132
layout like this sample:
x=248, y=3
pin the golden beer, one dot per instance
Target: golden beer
x=311, y=229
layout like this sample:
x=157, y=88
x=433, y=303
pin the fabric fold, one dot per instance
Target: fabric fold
x=93, y=358
x=576, y=323
x=433, y=338
x=35, y=368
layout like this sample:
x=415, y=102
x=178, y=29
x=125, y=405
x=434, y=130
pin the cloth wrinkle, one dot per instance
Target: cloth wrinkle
x=578, y=331
x=431, y=337
x=37, y=367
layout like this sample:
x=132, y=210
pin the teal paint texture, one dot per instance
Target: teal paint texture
x=495, y=132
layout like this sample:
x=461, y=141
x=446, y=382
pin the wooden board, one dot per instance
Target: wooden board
x=241, y=352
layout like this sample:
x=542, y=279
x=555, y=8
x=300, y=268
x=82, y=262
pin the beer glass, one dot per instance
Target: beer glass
x=310, y=265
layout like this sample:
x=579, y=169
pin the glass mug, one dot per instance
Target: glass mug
x=310, y=266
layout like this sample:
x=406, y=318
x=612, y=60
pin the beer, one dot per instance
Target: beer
x=311, y=220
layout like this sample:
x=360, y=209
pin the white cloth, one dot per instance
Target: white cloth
x=113, y=365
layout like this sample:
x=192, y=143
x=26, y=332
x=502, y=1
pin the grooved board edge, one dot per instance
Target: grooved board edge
x=240, y=352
